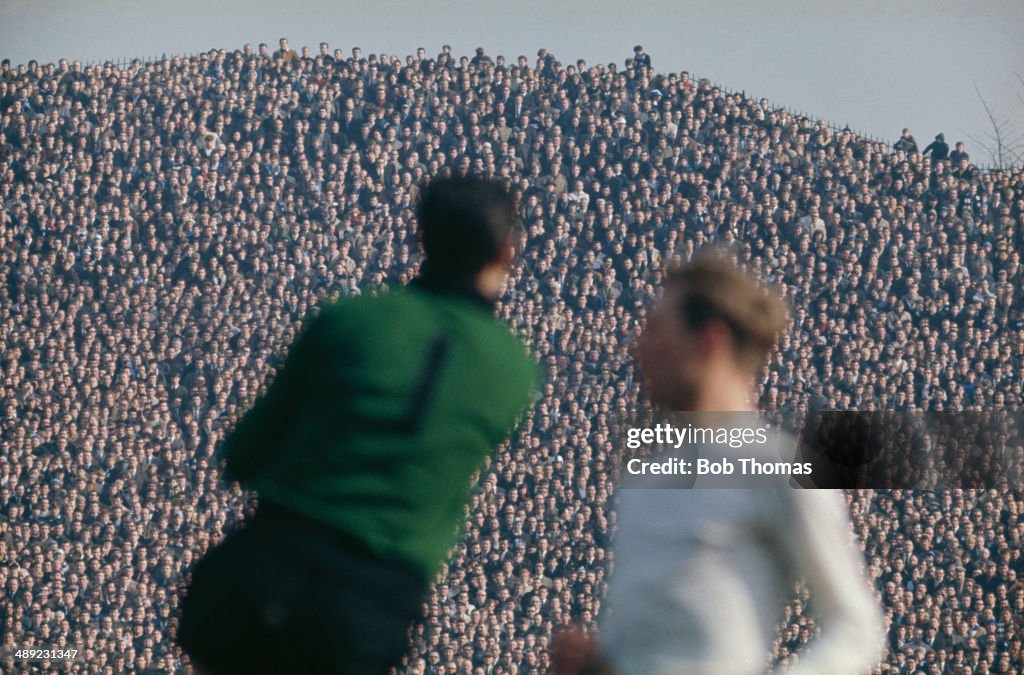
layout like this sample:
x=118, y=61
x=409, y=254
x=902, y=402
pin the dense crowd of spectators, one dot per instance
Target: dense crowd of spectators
x=166, y=226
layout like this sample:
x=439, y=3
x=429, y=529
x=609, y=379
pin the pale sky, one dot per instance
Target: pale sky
x=876, y=65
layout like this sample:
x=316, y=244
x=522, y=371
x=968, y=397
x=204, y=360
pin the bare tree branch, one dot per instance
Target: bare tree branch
x=1005, y=145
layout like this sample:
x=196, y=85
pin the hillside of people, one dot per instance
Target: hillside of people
x=167, y=226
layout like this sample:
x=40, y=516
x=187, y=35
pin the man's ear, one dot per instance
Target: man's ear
x=507, y=253
x=714, y=338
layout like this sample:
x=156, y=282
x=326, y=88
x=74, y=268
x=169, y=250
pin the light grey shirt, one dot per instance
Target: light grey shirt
x=701, y=578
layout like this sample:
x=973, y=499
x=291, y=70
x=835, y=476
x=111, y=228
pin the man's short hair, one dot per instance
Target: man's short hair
x=464, y=223
x=713, y=288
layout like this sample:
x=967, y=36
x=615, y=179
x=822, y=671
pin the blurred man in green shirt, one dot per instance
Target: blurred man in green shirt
x=362, y=453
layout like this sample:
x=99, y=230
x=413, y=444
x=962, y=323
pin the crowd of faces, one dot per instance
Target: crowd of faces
x=166, y=228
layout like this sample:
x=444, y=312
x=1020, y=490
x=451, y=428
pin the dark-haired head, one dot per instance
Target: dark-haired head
x=466, y=227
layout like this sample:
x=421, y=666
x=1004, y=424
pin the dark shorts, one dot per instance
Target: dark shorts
x=287, y=595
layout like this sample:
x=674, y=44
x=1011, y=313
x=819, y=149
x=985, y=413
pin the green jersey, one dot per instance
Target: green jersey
x=383, y=411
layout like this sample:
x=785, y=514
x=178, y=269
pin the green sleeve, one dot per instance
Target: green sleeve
x=259, y=435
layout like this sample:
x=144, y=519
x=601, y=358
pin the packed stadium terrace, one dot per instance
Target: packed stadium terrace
x=166, y=226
